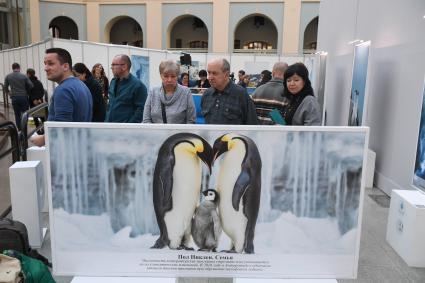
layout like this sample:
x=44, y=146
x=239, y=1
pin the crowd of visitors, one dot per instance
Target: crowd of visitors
x=282, y=96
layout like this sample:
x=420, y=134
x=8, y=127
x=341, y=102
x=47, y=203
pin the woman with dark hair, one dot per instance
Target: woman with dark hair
x=36, y=95
x=184, y=79
x=203, y=81
x=99, y=75
x=83, y=73
x=303, y=108
x=266, y=76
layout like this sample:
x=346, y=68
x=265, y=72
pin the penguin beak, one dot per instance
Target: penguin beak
x=206, y=155
x=219, y=148
x=205, y=193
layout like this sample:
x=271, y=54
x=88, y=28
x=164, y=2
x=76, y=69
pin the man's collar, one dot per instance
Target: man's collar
x=226, y=88
x=276, y=80
x=66, y=76
x=124, y=77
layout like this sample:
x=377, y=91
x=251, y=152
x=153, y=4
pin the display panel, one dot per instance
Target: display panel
x=419, y=173
x=290, y=200
x=140, y=68
x=358, y=100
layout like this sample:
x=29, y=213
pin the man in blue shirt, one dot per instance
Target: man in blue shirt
x=71, y=100
x=127, y=94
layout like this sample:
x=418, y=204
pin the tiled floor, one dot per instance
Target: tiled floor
x=378, y=261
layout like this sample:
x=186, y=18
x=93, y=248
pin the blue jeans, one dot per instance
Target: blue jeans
x=20, y=105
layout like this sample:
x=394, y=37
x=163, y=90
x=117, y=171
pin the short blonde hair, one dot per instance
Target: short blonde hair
x=169, y=66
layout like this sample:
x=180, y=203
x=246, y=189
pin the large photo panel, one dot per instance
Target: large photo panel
x=358, y=98
x=419, y=171
x=198, y=200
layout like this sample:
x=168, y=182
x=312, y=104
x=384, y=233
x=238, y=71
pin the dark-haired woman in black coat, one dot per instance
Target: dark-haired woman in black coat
x=83, y=73
x=36, y=96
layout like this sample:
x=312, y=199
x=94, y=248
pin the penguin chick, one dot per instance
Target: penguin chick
x=206, y=226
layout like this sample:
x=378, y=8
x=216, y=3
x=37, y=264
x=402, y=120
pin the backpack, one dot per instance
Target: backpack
x=14, y=236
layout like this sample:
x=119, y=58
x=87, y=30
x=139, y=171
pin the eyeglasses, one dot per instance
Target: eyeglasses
x=114, y=65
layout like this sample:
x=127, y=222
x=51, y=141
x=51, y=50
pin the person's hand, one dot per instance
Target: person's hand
x=38, y=140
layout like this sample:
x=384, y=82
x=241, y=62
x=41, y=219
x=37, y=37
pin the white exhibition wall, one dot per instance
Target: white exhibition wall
x=28, y=57
x=395, y=79
x=90, y=53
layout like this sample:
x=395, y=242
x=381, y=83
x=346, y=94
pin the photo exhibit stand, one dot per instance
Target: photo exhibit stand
x=111, y=218
x=26, y=185
x=405, y=229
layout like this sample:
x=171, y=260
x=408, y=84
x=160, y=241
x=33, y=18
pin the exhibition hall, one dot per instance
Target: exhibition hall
x=227, y=141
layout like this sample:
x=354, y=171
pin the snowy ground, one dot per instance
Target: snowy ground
x=288, y=234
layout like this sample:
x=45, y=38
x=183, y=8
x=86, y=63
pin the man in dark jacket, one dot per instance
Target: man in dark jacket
x=20, y=87
x=225, y=102
x=36, y=98
x=269, y=96
x=127, y=94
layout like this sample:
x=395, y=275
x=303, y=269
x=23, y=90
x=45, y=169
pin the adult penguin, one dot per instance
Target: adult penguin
x=177, y=185
x=239, y=187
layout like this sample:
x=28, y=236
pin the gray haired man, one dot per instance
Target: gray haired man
x=225, y=102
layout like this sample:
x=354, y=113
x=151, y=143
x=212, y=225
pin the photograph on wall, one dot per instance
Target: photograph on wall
x=179, y=200
x=192, y=70
x=357, y=108
x=140, y=68
x=419, y=173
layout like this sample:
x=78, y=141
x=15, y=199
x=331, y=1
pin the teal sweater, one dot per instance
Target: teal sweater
x=126, y=101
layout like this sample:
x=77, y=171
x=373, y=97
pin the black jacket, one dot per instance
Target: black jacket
x=37, y=92
x=233, y=105
x=96, y=91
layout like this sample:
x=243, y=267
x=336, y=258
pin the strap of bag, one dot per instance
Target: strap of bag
x=164, y=115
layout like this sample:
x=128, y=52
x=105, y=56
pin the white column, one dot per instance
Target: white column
x=36, y=153
x=26, y=179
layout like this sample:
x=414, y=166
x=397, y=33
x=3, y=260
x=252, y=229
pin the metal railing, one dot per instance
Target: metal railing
x=256, y=51
x=23, y=134
x=12, y=132
x=5, y=96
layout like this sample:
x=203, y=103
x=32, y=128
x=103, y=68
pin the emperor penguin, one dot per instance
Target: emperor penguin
x=239, y=186
x=177, y=185
x=206, y=227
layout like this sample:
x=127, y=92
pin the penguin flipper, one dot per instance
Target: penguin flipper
x=166, y=183
x=241, y=185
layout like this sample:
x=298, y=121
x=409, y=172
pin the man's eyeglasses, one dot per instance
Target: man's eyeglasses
x=114, y=65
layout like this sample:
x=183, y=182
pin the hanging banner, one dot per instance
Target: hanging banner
x=204, y=200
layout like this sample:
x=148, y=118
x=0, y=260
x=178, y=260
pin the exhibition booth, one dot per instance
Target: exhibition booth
x=109, y=196
x=101, y=180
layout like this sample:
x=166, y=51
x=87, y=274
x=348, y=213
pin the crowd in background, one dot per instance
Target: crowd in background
x=281, y=96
